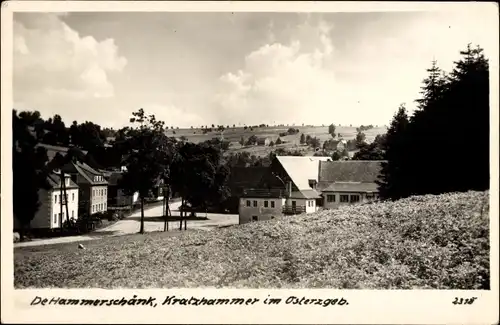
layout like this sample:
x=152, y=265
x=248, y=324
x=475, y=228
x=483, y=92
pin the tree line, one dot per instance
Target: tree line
x=425, y=153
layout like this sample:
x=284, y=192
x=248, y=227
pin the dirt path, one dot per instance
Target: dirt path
x=152, y=222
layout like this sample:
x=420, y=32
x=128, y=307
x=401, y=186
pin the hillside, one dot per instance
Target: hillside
x=421, y=242
x=234, y=135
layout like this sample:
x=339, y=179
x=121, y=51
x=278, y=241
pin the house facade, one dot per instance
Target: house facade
x=92, y=185
x=288, y=187
x=348, y=182
x=117, y=198
x=50, y=215
x=263, y=141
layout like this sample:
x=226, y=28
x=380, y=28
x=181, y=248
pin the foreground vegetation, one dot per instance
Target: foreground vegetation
x=439, y=242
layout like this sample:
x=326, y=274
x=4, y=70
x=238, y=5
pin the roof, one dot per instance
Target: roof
x=350, y=171
x=245, y=177
x=54, y=180
x=263, y=193
x=114, y=178
x=302, y=168
x=351, y=187
x=306, y=194
x=53, y=150
x=85, y=171
x=351, y=175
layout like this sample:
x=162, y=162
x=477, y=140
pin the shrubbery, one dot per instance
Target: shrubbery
x=438, y=242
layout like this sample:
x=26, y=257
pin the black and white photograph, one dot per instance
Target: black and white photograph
x=247, y=149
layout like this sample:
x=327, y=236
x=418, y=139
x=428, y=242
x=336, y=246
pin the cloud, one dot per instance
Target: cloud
x=309, y=80
x=52, y=60
x=282, y=81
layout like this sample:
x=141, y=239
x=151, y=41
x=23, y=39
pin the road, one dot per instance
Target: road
x=152, y=222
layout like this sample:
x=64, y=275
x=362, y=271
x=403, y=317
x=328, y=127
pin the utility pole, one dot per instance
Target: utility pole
x=63, y=199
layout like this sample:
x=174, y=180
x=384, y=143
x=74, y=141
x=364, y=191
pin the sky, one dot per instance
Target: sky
x=203, y=68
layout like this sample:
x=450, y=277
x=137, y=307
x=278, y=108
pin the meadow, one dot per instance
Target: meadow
x=423, y=242
x=234, y=135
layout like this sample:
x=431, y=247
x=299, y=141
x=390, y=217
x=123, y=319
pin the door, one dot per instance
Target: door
x=294, y=206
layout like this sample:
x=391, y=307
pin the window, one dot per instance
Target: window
x=55, y=217
x=93, y=192
x=248, y=203
x=344, y=198
x=105, y=191
x=67, y=181
x=72, y=196
x=330, y=198
x=266, y=204
x=104, y=206
x=369, y=197
x=254, y=204
x=72, y=213
x=272, y=205
x=93, y=208
x=55, y=198
x=354, y=198
x=255, y=218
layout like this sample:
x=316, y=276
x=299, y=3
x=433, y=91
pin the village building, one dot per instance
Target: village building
x=348, y=182
x=263, y=141
x=52, y=212
x=93, y=187
x=287, y=187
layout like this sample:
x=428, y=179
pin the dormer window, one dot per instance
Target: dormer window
x=312, y=183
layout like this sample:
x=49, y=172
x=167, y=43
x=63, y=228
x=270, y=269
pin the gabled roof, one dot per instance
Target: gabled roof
x=350, y=171
x=245, y=177
x=54, y=180
x=351, y=175
x=85, y=171
x=301, y=169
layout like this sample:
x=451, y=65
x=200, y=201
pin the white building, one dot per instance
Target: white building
x=49, y=215
x=289, y=187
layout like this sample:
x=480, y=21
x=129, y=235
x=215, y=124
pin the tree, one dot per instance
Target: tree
x=242, y=141
x=331, y=130
x=252, y=140
x=278, y=141
x=394, y=179
x=199, y=176
x=360, y=139
x=302, y=139
x=146, y=149
x=29, y=174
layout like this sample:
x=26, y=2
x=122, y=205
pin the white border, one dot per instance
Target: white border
x=366, y=306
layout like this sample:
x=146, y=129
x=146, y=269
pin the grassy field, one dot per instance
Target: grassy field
x=421, y=242
x=292, y=141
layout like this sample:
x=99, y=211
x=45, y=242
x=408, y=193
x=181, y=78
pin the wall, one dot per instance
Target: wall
x=99, y=199
x=337, y=203
x=310, y=207
x=42, y=216
x=260, y=211
x=55, y=206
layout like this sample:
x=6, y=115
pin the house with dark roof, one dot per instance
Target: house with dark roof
x=287, y=187
x=92, y=185
x=263, y=141
x=348, y=182
x=117, y=198
x=240, y=179
x=52, y=212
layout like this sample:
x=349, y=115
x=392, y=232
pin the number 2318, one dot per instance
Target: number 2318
x=462, y=301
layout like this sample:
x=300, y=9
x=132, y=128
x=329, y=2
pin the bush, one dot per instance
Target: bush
x=438, y=242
